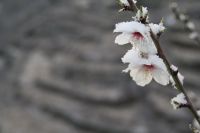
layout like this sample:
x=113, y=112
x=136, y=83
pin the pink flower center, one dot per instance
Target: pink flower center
x=137, y=35
x=149, y=67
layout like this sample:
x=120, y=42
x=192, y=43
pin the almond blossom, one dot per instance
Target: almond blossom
x=144, y=67
x=146, y=60
x=137, y=34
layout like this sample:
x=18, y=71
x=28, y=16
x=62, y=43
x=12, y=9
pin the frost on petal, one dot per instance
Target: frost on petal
x=160, y=73
x=179, y=101
x=160, y=76
x=131, y=27
x=158, y=62
x=134, y=72
x=143, y=67
x=132, y=56
x=146, y=45
x=143, y=77
x=156, y=29
x=123, y=39
x=137, y=34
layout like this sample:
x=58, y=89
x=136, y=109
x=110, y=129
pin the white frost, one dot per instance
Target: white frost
x=178, y=101
x=157, y=28
x=130, y=27
x=125, y=2
x=181, y=78
x=174, y=68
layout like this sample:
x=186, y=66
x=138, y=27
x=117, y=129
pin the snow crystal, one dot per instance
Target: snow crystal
x=178, y=101
x=156, y=29
x=126, y=3
x=181, y=78
x=131, y=27
x=174, y=68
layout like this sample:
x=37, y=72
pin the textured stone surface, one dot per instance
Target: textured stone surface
x=61, y=71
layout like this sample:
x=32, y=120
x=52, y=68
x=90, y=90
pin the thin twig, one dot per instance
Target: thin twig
x=188, y=24
x=174, y=75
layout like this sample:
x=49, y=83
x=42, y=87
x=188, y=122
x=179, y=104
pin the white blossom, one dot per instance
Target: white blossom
x=126, y=3
x=157, y=28
x=137, y=34
x=144, y=67
x=178, y=101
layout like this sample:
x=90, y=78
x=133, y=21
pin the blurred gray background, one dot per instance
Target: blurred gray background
x=61, y=71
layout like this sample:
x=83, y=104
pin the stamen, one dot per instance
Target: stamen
x=138, y=35
x=148, y=67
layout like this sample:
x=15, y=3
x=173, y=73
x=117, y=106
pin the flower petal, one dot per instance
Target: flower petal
x=161, y=76
x=134, y=72
x=131, y=56
x=123, y=39
x=130, y=27
x=158, y=62
x=143, y=77
x=144, y=45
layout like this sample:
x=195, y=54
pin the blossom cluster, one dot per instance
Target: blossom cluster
x=144, y=64
x=146, y=60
